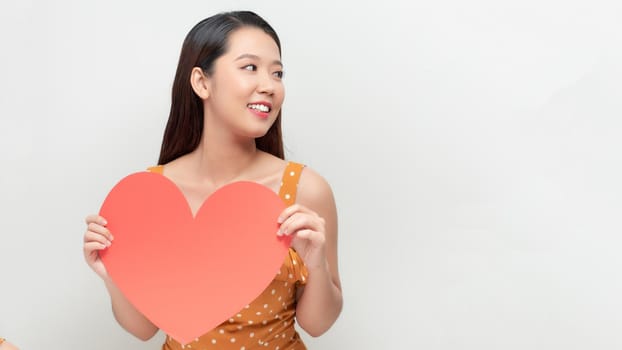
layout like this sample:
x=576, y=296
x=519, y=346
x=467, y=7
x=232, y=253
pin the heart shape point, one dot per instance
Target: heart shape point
x=189, y=274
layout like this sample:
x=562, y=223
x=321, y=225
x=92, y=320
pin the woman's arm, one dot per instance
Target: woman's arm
x=96, y=238
x=314, y=221
x=128, y=317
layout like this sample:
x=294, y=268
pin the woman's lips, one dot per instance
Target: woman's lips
x=260, y=108
x=260, y=114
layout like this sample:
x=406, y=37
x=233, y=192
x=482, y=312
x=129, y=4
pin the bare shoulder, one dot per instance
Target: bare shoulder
x=269, y=163
x=314, y=190
x=177, y=168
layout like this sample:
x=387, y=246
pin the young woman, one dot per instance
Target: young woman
x=224, y=126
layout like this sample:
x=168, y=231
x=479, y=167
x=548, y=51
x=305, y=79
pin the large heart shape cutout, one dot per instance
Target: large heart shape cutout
x=185, y=274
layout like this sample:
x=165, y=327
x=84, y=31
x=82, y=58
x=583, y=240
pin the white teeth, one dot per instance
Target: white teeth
x=259, y=107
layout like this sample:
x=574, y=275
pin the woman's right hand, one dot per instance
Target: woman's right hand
x=96, y=238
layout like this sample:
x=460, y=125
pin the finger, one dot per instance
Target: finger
x=298, y=222
x=97, y=228
x=291, y=210
x=294, y=223
x=316, y=237
x=90, y=247
x=94, y=218
x=90, y=236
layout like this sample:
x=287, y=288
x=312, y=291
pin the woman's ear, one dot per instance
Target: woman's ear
x=199, y=82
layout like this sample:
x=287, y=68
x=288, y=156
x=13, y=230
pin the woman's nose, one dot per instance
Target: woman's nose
x=266, y=84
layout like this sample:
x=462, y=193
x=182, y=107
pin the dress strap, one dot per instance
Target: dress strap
x=289, y=182
x=158, y=169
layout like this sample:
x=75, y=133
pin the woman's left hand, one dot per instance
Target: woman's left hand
x=308, y=233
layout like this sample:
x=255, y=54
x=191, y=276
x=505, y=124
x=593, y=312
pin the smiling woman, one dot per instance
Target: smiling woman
x=246, y=78
x=223, y=42
x=225, y=126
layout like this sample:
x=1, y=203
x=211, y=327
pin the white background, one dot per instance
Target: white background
x=473, y=147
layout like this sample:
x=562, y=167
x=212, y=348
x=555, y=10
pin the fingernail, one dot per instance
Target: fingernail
x=104, y=222
x=111, y=237
x=279, y=220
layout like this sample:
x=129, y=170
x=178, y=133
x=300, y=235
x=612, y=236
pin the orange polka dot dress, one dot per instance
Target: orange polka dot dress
x=268, y=321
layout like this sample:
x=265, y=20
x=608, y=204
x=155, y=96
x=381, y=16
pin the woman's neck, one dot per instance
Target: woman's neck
x=220, y=158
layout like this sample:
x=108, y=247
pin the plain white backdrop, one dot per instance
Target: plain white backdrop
x=473, y=147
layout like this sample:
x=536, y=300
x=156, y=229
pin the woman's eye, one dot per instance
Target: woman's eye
x=250, y=67
x=279, y=74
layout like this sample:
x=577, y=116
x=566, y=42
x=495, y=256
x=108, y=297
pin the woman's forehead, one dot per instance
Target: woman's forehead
x=252, y=41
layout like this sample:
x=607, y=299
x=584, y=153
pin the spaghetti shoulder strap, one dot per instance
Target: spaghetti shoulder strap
x=289, y=182
x=158, y=169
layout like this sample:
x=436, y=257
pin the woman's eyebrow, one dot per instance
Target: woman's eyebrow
x=255, y=57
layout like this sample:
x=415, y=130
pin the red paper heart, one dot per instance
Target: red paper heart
x=187, y=275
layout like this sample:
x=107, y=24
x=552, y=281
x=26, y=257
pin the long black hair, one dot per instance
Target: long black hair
x=205, y=42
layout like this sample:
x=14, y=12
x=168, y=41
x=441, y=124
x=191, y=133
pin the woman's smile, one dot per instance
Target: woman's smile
x=261, y=109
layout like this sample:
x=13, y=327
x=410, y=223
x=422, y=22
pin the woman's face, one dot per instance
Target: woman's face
x=245, y=87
